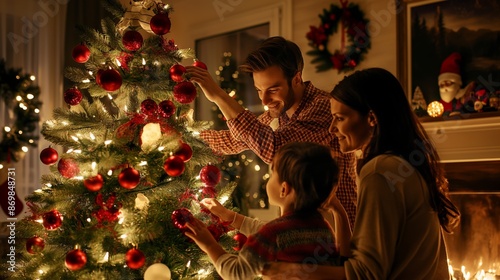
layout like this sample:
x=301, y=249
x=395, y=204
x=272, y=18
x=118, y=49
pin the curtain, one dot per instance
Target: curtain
x=32, y=39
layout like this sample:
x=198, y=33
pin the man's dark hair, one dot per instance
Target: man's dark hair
x=275, y=51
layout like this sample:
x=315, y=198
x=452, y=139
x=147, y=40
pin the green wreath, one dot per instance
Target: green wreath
x=354, y=25
x=19, y=93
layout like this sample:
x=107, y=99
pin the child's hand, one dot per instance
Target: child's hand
x=200, y=235
x=218, y=210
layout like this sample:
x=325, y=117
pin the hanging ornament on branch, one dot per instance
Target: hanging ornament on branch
x=354, y=38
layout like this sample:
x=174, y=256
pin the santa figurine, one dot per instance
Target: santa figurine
x=450, y=83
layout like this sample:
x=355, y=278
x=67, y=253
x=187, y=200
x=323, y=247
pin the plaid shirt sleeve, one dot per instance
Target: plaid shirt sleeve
x=222, y=142
x=311, y=125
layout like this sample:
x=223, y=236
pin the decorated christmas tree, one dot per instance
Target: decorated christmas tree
x=128, y=168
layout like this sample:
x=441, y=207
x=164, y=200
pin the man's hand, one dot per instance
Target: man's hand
x=205, y=81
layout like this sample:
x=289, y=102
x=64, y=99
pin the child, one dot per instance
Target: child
x=302, y=178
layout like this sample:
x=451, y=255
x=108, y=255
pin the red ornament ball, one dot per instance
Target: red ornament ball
x=35, y=245
x=241, y=239
x=200, y=64
x=184, y=152
x=209, y=191
x=177, y=73
x=174, y=166
x=98, y=76
x=149, y=107
x=75, y=259
x=49, y=156
x=73, y=96
x=167, y=108
x=160, y=24
x=132, y=40
x=134, y=258
x=52, y=220
x=80, y=53
x=180, y=217
x=185, y=92
x=210, y=175
x=129, y=178
x=110, y=80
x=94, y=184
x=68, y=167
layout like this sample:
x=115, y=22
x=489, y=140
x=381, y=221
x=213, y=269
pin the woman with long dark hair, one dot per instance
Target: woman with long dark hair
x=402, y=192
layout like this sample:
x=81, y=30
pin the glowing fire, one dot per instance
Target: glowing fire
x=464, y=274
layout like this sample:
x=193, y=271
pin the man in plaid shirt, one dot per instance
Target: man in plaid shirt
x=297, y=112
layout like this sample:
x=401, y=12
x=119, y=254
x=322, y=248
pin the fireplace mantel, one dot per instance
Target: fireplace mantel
x=470, y=151
x=466, y=139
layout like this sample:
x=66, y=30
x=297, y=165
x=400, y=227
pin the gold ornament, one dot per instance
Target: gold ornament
x=435, y=109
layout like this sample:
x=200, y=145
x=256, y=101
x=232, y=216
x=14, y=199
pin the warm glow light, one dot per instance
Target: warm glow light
x=266, y=108
x=30, y=96
x=1, y=166
x=92, y=136
x=143, y=163
x=118, y=62
x=86, y=81
x=69, y=151
x=19, y=98
x=37, y=110
x=123, y=236
x=89, y=220
x=110, y=172
x=32, y=77
x=94, y=164
x=110, y=97
x=7, y=129
x=435, y=109
x=223, y=199
x=143, y=61
x=74, y=138
x=257, y=167
x=25, y=149
x=107, y=142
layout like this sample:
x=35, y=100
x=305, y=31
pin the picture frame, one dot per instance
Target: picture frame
x=428, y=31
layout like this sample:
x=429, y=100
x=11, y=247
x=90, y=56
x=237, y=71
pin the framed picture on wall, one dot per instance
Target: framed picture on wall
x=431, y=31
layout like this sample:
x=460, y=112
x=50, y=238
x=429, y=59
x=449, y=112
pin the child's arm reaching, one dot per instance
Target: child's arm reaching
x=204, y=239
x=224, y=214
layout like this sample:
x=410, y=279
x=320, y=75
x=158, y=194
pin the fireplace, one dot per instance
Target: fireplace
x=470, y=151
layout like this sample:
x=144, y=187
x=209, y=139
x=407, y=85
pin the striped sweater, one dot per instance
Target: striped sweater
x=293, y=237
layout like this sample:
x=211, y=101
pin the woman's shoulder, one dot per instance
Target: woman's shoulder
x=382, y=164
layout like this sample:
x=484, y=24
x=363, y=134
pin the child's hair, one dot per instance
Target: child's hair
x=310, y=170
